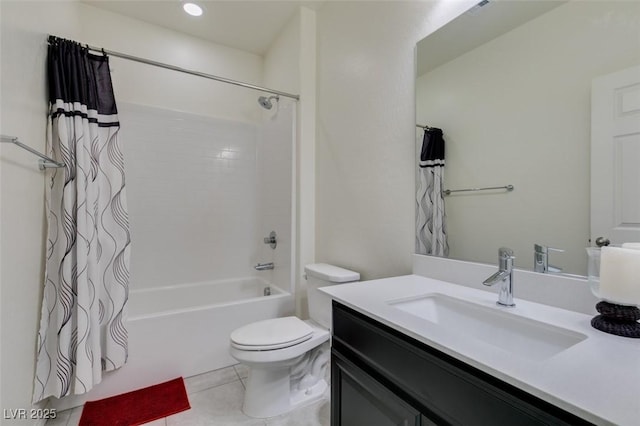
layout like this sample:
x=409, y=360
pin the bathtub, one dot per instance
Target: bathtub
x=184, y=330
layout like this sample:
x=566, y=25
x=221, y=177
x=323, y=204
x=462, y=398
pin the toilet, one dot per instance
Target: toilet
x=287, y=357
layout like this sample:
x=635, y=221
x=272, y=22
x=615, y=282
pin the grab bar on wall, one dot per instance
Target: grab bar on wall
x=44, y=163
x=507, y=187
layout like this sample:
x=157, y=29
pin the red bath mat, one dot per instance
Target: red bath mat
x=137, y=407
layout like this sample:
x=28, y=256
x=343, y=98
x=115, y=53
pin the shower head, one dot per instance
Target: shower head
x=266, y=102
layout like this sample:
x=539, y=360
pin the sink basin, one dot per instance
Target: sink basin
x=520, y=336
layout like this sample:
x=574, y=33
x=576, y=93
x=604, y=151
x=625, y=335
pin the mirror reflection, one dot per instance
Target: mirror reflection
x=510, y=85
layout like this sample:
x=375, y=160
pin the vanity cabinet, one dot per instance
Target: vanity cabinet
x=381, y=377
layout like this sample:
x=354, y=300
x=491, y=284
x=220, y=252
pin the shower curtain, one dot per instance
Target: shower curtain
x=82, y=330
x=431, y=234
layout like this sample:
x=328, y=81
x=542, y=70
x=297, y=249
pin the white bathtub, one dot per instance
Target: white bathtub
x=184, y=330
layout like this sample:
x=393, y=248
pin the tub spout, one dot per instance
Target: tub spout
x=264, y=266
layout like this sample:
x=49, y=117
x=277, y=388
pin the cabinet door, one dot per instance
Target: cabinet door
x=358, y=399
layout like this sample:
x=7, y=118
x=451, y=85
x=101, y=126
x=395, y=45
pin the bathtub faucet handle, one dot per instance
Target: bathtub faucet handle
x=272, y=239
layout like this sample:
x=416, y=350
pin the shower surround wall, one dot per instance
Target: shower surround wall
x=204, y=192
x=192, y=196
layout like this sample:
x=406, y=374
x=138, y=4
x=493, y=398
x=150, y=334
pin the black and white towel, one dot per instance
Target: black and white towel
x=431, y=235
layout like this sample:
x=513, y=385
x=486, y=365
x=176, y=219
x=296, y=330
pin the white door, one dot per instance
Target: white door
x=615, y=156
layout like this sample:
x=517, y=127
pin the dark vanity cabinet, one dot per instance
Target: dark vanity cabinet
x=382, y=377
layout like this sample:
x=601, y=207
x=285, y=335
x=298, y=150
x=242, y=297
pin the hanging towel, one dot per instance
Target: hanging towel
x=431, y=235
x=432, y=153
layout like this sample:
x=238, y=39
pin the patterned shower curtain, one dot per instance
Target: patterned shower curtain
x=82, y=326
x=431, y=230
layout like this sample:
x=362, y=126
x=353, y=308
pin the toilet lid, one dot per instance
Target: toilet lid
x=269, y=334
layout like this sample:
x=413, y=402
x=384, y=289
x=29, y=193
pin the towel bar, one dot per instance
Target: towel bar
x=45, y=162
x=449, y=191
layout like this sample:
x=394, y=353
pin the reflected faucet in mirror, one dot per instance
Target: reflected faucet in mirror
x=541, y=259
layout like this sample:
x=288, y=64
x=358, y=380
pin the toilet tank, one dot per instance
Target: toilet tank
x=321, y=275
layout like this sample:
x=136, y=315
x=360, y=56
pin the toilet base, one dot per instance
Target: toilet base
x=310, y=394
x=280, y=388
x=278, y=399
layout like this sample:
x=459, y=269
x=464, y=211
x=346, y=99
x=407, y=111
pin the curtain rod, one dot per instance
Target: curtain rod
x=186, y=71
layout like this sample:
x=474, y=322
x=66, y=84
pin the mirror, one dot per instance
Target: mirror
x=509, y=83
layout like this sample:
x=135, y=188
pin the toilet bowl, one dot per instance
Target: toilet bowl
x=287, y=357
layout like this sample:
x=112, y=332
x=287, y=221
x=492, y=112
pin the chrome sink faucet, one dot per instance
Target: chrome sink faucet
x=503, y=276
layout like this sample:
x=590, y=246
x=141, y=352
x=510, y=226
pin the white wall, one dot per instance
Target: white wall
x=306, y=152
x=290, y=65
x=24, y=26
x=365, y=137
x=281, y=61
x=276, y=182
x=147, y=85
x=517, y=111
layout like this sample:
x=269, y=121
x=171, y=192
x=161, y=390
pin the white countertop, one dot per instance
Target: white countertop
x=597, y=379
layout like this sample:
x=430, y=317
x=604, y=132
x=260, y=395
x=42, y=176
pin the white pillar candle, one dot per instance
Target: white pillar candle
x=620, y=275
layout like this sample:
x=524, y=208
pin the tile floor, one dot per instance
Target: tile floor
x=216, y=399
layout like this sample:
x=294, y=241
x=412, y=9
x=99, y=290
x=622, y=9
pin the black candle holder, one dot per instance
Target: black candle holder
x=617, y=319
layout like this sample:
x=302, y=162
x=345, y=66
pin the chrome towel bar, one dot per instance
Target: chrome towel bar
x=449, y=191
x=45, y=162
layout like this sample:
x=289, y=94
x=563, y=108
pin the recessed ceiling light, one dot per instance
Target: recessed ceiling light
x=192, y=9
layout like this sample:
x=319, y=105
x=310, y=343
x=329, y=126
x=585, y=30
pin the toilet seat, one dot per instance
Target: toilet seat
x=271, y=334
